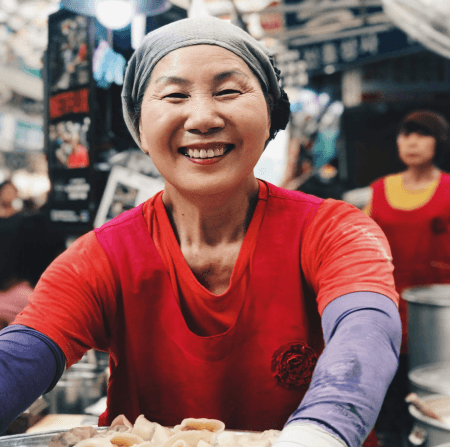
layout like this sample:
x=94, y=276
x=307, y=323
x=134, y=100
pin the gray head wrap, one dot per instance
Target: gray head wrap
x=188, y=32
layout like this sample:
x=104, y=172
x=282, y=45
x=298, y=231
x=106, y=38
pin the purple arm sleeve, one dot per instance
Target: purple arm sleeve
x=362, y=333
x=30, y=365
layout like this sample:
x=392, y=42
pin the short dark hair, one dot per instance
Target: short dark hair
x=427, y=122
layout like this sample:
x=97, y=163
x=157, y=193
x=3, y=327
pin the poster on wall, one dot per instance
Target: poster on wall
x=68, y=119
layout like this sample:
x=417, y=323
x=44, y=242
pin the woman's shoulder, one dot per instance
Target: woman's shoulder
x=387, y=179
x=297, y=196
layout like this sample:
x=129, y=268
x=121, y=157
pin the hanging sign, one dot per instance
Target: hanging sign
x=68, y=121
x=327, y=36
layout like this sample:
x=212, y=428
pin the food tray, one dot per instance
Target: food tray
x=44, y=438
x=33, y=439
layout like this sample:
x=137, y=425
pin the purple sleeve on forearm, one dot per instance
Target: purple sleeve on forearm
x=362, y=333
x=30, y=365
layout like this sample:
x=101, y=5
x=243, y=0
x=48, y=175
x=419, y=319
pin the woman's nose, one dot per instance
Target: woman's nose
x=203, y=116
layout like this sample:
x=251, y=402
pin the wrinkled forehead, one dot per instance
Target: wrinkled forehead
x=220, y=62
x=192, y=32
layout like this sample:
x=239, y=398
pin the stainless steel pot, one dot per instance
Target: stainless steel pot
x=433, y=378
x=428, y=432
x=428, y=324
x=79, y=387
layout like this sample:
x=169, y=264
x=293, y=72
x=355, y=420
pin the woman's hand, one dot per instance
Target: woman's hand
x=307, y=435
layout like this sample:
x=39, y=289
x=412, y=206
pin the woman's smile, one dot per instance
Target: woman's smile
x=206, y=154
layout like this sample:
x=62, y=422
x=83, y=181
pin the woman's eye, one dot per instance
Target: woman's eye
x=228, y=92
x=176, y=95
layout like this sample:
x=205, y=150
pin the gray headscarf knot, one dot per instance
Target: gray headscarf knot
x=188, y=32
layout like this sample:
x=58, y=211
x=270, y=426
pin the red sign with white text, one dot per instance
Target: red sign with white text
x=69, y=102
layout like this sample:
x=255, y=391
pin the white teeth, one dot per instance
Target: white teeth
x=206, y=153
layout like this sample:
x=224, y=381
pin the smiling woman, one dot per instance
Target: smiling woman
x=222, y=296
x=204, y=121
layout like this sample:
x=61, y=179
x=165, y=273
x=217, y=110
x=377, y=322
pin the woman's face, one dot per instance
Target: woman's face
x=8, y=194
x=416, y=149
x=204, y=119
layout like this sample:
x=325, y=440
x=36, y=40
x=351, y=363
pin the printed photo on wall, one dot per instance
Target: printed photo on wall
x=69, y=143
x=124, y=190
x=68, y=53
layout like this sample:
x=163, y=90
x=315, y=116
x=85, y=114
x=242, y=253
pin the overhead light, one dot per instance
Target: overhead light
x=197, y=8
x=114, y=14
x=138, y=28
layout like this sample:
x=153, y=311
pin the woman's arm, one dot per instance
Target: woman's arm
x=69, y=312
x=30, y=365
x=362, y=333
x=74, y=303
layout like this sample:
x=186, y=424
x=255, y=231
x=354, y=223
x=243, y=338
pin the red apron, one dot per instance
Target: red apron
x=419, y=240
x=161, y=369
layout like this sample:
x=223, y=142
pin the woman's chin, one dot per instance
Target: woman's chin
x=209, y=187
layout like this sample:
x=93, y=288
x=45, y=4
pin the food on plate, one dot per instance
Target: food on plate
x=144, y=428
x=144, y=433
x=72, y=437
x=125, y=439
x=212, y=425
x=95, y=442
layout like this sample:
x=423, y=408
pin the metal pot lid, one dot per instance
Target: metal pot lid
x=434, y=377
x=434, y=294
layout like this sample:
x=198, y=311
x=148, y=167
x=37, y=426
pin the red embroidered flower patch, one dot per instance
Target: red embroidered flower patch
x=293, y=364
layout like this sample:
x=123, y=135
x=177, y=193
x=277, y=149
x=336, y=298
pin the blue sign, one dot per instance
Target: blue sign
x=328, y=36
x=336, y=54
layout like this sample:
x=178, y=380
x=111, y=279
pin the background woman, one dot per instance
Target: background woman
x=216, y=297
x=8, y=194
x=413, y=209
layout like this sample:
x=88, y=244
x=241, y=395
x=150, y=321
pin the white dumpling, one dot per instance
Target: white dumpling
x=180, y=443
x=160, y=435
x=121, y=420
x=191, y=438
x=212, y=425
x=227, y=439
x=202, y=443
x=125, y=439
x=251, y=441
x=144, y=428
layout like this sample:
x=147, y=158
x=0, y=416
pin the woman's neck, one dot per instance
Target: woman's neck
x=420, y=176
x=210, y=220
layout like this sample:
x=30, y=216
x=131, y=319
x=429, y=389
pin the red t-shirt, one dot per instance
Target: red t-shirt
x=125, y=288
x=343, y=251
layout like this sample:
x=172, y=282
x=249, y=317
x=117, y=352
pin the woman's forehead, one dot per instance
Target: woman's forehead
x=211, y=56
